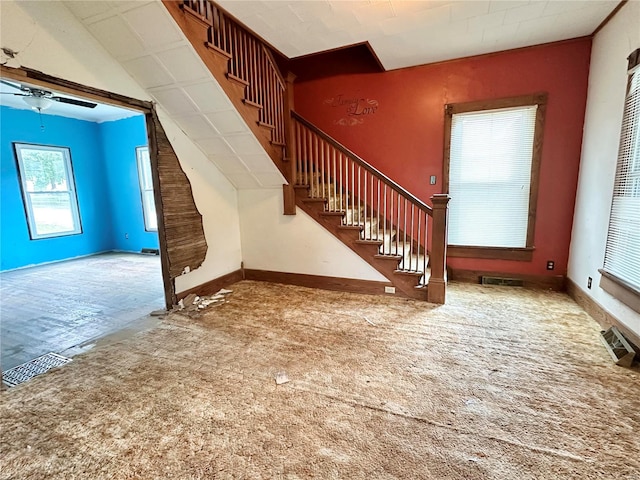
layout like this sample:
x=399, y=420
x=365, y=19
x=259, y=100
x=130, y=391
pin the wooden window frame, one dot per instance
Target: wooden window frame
x=501, y=253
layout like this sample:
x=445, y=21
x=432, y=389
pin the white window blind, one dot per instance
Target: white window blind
x=146, y=189
x=622, y=255
x=490, y=176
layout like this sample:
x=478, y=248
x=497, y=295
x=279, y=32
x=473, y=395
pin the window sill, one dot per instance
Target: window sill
x=493, y=253
x=623, y=291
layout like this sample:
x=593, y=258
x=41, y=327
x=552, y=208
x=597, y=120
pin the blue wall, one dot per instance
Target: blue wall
x=119, y=142
x=108, y=201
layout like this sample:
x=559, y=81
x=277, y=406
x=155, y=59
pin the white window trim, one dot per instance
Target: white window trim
x=26, y=195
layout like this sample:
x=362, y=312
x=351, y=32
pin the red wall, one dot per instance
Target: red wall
x=404, y=137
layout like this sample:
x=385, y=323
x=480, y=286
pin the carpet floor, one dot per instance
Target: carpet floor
x=499, y=383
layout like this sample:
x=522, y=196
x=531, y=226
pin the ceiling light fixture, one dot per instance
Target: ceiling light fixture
x=37, y=103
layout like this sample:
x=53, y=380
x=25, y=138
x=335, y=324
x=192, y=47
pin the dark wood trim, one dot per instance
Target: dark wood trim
x=539, y=99
x=609, y=17
x=494, y=253
x=352, y=285
x=212, y=286
x=539, y=282
x=634, y=61
x=600, y=314
x=40, y=79
x=371, y=169
x=168, y=282
x=495, y=103
x=344, y=47
x=618, y=288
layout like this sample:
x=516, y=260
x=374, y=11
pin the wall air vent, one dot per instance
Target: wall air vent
x=505, y=282
x=618, y=347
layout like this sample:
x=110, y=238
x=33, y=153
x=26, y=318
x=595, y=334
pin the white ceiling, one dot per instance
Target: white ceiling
x=415, y=32
x=101, y=113
x=143, y=37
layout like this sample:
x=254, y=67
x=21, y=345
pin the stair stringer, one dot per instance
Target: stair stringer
x=404, y=282
x=195, y=30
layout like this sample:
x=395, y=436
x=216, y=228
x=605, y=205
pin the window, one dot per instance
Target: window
x=492, y=157
x=622, y=253
x=146, y=189
x=48, y=190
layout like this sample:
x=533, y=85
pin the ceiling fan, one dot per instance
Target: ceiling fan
x=39, y=99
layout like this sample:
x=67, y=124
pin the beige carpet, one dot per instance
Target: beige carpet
x=499, y=383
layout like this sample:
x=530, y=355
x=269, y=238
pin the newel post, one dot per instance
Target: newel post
x=290, y=149
x=437, y=289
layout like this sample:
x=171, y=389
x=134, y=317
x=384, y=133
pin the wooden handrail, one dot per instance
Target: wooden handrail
x=370, y=168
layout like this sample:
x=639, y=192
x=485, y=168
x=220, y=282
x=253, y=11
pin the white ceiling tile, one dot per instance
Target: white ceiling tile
x=244, y=144
x=524, y=13
x=499, y=5
x=184, y=64
x=229, y=163
x=214, y=146
x=153, y=25
x=148, y=72
x=461, y=10
x=498, y=34
x=173, y=100
x=243, y=181
x=117, y=38
x=272, y=179
x=485, y=22
x=259, y=163
x=196, y=127
x=86, y=9
x=208, y=96
x=227, y=122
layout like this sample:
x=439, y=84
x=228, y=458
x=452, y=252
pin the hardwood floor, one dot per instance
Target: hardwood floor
x=52, y=308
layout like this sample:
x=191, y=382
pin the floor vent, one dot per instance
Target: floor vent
x=505, y=282
x=150, y=251
x=618, y=347
x=20, y=374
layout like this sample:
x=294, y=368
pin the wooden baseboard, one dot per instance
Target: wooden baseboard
x=318, y=281
x=212, y=286
x=604, y=318
x=541, y=282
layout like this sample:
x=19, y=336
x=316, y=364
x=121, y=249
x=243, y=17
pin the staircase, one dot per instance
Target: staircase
x=399, y=235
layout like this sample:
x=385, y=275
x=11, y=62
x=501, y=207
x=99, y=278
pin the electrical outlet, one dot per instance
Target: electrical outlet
x=126, y=236
x=432, y=180
x=589, y=283
x=389, y=289
x=551, y=264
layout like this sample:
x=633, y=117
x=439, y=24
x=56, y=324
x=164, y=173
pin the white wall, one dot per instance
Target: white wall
x=50, y=39
x=605, y=104
x=293, y=244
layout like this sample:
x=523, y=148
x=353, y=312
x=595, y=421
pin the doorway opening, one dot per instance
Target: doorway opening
x=80, y=253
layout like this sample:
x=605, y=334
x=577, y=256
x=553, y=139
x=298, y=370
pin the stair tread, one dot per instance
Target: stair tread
x=252, y=104
x=407, y=272
x=233, y=78
x=397, y=258
x=216, y=49
x=369, y=242
x=331, y=213
x=314, y=200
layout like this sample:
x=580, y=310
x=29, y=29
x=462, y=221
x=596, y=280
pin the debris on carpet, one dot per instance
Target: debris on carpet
x=282, y=377
x=192, y=305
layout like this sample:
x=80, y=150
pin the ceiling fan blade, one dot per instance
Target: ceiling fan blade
x=13, y=85
x=73, y=101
